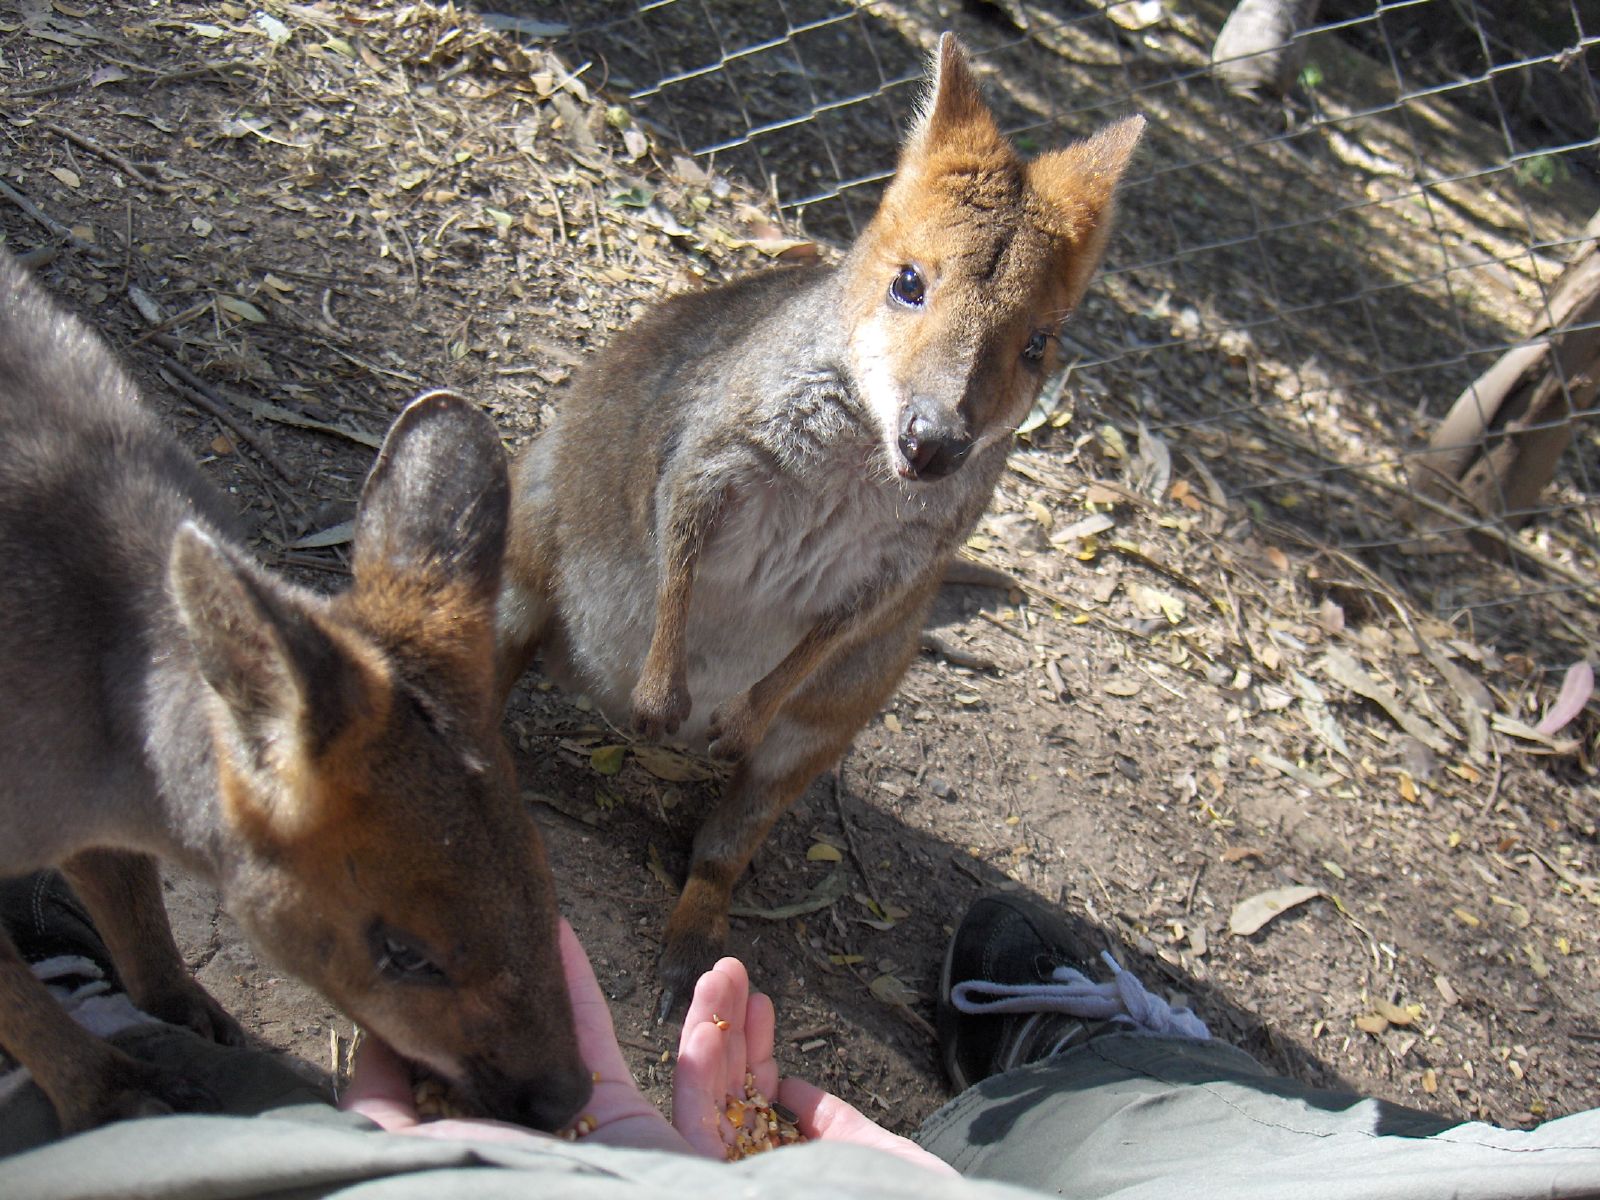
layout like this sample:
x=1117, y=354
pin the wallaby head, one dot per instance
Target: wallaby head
x=379, y=848
x=958, y=287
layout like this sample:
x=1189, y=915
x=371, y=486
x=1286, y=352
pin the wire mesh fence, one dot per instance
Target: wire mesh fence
x=1302, y=287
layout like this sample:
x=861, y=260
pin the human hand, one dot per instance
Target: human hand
x=727, y=1032
x=381, y=1089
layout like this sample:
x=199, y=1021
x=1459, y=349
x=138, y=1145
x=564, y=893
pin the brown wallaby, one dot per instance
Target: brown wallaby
x=735, y=524
x=333, y=766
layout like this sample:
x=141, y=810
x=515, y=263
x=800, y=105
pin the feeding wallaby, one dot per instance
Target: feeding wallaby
x=735, y=524
x=334, y=766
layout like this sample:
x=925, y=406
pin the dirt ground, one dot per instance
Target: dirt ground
x=289, y=218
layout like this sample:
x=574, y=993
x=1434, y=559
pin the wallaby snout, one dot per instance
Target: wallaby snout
x=934, y=439
x=549, y=1100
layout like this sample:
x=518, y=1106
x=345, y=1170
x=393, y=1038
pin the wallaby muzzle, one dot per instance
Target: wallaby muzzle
x=934, y=439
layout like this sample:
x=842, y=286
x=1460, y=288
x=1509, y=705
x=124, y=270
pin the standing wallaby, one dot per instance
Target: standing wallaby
x=333, y=766
x=735, y=524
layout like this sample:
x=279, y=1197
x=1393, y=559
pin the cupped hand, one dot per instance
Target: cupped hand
x=727, y=1033
x=381, y=1089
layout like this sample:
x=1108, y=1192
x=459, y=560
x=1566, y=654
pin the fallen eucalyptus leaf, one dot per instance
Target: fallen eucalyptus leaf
x=828, y=892
x=608, y=759
x=891, y=990
x=1343, y=669
x=1251, y=914
x=1576, y=688
x=671, y=766
x=334, y=535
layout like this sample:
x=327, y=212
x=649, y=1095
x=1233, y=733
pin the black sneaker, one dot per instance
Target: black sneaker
x=46, y=921
x=1017, y=988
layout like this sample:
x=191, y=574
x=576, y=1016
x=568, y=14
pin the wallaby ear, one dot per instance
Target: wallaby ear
x=1079, y=185
x=1081, y=180
x=953, y=114
x=286, y=688
x=438, y=498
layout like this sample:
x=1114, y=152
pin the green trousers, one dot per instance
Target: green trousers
x=1121, y=1116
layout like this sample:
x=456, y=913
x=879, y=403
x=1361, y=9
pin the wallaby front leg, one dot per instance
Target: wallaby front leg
x=88, y=1081
x=762, y=788
x=660, y=699
x=122, y=892
x=739, y=724
x=810, y=732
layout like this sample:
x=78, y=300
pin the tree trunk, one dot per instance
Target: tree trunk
x=1497, y=448
x=1256, y=50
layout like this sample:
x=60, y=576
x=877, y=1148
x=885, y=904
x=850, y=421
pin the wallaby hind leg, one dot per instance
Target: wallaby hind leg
x=122, y=892
x=88, y=1081
x=810, y=733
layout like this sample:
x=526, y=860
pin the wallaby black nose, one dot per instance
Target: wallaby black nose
x=547, y=1103
x=934, y=441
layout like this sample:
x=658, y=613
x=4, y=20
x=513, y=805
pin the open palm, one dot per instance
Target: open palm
x=729, y=1031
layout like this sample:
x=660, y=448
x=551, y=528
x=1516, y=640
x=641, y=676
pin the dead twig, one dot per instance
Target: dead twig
x=1194, y=883
x=932, y=643
x=1134, y=554
x=200, y=394
x=119, y=161
x=999, y=624
x=850, y=837
x=55, y=227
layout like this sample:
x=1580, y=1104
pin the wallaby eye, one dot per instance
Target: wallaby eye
x=909, y=288
x=399, y=959
x=1037, y=345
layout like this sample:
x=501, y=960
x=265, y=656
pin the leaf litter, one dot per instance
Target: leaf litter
x=495, y=220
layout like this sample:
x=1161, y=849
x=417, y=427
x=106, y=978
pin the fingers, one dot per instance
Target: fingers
x=698, y=1091
x=760, y=1030
x=826, y=1118
x=721, y=998
x=380, y=1086
x=591, y=1015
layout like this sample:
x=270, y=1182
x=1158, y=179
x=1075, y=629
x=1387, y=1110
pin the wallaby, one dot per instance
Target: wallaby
x=735, y=524
x=333, y=766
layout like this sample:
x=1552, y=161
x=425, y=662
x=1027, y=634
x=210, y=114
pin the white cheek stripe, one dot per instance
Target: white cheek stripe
x=873, y=364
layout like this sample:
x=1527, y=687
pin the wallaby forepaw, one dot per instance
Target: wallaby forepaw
x=683, y=960
x=658, y=710
x=732, y=732
x=192, y=1007
x=130, y=1089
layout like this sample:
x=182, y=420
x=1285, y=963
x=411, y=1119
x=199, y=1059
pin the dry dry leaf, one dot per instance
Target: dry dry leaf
x=669, y=765
x=1343, y=669
x=1251, y=914
x=829, y=890
x=653, y=865
x=891, y=990
x=1576, y=688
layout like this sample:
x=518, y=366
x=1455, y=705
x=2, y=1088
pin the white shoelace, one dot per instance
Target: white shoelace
x=1122, y=999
